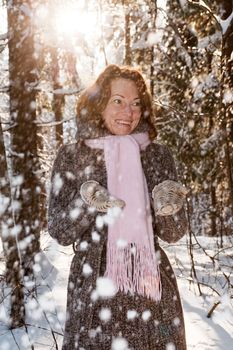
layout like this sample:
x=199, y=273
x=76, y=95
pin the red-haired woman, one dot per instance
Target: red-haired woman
x=122, y=292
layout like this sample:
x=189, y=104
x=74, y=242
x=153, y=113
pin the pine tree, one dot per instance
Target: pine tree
x=189, y=88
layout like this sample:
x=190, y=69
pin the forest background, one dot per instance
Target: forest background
x=51, y=50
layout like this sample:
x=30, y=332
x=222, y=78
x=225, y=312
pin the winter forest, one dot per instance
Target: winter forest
x=49, y=52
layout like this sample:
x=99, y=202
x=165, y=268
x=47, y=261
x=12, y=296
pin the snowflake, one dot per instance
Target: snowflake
x=119, y=343
x=105, y=314
x=87, y=270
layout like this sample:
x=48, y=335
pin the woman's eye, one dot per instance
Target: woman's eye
x=137, y=104
x=117, y=101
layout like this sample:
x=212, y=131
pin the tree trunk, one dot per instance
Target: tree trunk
x=71, y=69
x=128, y=60
x=227, y=85
x=153, y=15
x=25, y=164
x=58, y=99
x=213, y=211
x=5, y=194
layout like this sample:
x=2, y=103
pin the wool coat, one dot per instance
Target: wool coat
x=145, y=324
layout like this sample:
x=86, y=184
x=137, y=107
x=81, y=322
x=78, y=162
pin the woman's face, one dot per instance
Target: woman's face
x=123, y=110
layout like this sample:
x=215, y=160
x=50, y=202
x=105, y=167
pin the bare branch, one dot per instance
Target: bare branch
x=48, y=124
x=4, y=89
x=10, y=127
x=212, y=309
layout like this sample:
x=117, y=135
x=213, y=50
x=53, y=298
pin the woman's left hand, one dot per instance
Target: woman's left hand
x=168, y=197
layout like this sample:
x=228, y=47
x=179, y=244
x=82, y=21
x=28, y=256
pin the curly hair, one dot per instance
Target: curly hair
x=94, y=99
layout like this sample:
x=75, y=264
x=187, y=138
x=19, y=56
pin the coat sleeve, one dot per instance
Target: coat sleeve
x=170, y=228
x=68, y=216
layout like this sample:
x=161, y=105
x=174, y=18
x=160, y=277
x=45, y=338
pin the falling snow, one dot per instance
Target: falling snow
x=190, y=128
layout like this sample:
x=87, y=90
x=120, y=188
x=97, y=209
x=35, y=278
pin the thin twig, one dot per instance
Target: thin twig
x=43, y=328
x=193, y=270
x=45, y=316
x=12, y=333
x=201, y=283
x=26, y=329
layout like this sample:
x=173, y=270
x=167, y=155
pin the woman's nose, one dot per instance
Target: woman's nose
x=128, y=109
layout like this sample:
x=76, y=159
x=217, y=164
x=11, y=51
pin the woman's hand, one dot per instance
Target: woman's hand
x=168, y=197
x=97, y=196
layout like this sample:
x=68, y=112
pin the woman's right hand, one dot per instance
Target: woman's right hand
x=98, y=197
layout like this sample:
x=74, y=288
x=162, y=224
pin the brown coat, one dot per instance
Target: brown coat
x=75, y=164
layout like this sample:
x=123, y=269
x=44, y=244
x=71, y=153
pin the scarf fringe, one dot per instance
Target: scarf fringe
x=134, y=270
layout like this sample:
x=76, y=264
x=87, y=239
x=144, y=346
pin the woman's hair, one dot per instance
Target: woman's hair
x=94, y=99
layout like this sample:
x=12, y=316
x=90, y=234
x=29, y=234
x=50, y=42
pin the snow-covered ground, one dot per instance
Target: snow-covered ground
x=46, y=309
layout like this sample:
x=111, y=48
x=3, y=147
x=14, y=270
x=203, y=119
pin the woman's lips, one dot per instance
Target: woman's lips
x=123, y=122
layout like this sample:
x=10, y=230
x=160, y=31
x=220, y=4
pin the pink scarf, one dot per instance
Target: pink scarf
x=131, y=260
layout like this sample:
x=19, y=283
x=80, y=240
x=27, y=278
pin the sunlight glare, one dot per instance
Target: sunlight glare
x=69, y=21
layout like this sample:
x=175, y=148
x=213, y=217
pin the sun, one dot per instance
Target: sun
x=67, y=20
x=71, y=20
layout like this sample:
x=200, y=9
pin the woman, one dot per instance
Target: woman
x=101, y=201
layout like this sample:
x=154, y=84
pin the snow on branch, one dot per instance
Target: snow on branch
x=211, y=142
x=26, y=10
x=62, y=91
x=4, y=89
x=54, y=123
x=224, y=24
x=4, y=36
x=10, y=127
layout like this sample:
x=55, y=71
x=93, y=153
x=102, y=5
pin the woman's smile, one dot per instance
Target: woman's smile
x=123, y=123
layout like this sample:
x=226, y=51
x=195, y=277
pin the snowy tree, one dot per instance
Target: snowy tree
x=189, y=91
x=24, y=160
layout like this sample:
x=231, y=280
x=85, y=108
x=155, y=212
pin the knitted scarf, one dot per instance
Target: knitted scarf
x=131, y=259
